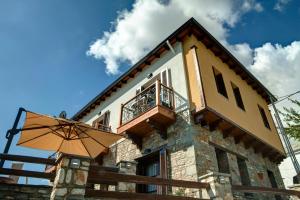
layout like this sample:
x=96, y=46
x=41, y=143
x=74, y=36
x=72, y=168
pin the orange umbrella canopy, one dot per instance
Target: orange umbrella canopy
x=66, y=136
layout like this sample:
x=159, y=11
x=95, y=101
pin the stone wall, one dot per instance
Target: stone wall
x=20, y=191
x=191, y=154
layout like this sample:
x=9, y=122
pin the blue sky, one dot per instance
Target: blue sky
x=44, y=65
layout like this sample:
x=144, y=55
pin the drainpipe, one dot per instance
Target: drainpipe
x=11, y=133
x=286, y=141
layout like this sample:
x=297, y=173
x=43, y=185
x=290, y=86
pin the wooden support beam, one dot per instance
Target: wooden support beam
x=198, y=118
x=249, y=143
x=160, y=129
x=131, y=75
x=227, y=132
x=213, y=125
x=139, y=69
x=240, y=138
x=135, y=139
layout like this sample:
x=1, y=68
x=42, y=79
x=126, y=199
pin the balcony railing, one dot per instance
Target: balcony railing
x=104, y=128
x=156, y=94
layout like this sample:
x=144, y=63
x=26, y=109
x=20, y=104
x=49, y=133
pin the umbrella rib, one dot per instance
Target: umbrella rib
x=86, y=149
x=41, y=136
x=91, y=137
x=62, y=127
x=62, y=141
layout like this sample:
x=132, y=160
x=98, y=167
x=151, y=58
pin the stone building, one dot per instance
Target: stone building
x=188, y=109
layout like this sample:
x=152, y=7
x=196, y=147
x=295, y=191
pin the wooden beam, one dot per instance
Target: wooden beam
x=227, y=132
x=131, y=195
x=249, y=143
x=240, y=138
x=135, y=139
x=27, y=173
x=198, y=118
x=160, y=129
x=146, y=180
x=255, y=189
x=213, y=125
x=28, y=159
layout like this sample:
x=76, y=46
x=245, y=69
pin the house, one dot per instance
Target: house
x=189, y=108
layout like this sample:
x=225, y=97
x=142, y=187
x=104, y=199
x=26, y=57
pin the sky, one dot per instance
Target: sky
x=59, y=54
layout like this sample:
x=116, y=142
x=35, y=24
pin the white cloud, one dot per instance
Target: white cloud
x=136, y=31
x=280, y=4
x=278, y=67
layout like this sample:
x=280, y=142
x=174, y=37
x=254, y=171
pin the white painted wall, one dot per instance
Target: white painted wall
x=286, y=167
x=169, y=60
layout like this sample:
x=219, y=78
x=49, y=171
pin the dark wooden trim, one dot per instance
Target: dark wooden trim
x=255, y=189
x=28, y=159
x=27, y=173
x=130, y=195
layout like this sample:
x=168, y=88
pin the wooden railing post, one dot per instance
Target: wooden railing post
x=157, y=87
x=172, y=98
x=121, y=115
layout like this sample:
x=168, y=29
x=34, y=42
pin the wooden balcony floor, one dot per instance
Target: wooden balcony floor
x=157, y=117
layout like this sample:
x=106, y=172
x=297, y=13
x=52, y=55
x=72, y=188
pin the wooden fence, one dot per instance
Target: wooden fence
x=255, y=189
x=28, y=173
x=112, y=178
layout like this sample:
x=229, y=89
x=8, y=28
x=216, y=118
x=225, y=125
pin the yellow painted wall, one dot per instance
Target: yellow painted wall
x=195, y=89
x=250, y=119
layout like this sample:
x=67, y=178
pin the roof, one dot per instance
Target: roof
x=191, y=27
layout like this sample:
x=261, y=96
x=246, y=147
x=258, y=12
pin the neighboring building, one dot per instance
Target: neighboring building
x=189, y=108
x=286, y=167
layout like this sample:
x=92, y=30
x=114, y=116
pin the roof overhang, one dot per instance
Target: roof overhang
x=191, y=27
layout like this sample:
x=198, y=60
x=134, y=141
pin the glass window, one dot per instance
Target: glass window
x=238, y=96
x=220, y=83
x=264, y=117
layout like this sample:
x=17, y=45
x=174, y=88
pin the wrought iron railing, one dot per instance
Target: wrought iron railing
x=105, y=128
x=154, y=95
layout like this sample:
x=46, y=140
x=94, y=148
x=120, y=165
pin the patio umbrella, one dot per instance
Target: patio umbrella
x=66, y=136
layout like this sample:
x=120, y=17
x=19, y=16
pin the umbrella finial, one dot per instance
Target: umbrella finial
x=63, y=114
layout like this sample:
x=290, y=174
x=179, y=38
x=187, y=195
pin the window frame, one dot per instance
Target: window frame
x=220, y=88
x=238, y=98
x=264, y=117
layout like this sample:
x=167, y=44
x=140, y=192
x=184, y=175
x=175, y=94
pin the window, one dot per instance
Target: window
x=264, y=117
x=102, y=123
x=222, y=161
x=220, y=83
x=245, y=179
x=243, y=171
x=273, y=183
x=237, y=95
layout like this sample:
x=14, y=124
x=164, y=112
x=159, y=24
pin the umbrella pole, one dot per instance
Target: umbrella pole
x=10, y=134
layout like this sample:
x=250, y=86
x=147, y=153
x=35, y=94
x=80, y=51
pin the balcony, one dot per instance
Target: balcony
x=152, y=109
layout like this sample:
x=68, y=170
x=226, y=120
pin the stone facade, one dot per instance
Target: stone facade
x=71, y=178
x=191, y=154
x=21, y=191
